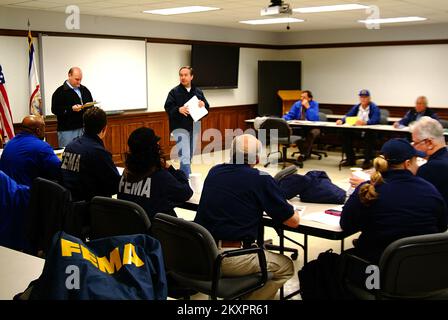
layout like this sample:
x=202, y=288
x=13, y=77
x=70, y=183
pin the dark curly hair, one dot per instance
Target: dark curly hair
x=145, y=155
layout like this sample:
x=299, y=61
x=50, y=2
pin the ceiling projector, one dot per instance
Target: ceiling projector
x=276, y=8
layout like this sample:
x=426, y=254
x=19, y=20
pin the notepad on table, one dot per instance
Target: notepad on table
x=325, y=218
x=196, y=112
x=351, y=121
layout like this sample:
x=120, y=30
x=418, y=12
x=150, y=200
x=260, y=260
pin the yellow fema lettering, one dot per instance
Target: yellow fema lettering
x=130, y=256
x=111, y=265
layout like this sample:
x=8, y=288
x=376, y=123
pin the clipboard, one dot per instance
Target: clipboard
x=89, y=104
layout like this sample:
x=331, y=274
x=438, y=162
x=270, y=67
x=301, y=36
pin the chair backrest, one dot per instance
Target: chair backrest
x=326, y=111
x=415, y=266
x=322, y=116
x=279, y=124
x=188, y=248
x=444, y=123
x=49, y=204
x=113, y=217
x=384, y=116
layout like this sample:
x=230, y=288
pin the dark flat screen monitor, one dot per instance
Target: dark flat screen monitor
x=215, y=66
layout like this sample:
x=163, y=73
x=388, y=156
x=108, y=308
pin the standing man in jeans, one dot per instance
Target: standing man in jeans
x=183, y=129
x=66, y=104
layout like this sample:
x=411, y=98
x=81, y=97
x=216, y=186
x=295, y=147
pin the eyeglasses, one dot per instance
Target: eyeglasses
x=414, y=144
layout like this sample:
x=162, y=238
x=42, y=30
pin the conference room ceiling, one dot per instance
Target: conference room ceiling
x=233, y=11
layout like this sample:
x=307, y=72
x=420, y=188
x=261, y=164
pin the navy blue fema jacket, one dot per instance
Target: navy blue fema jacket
x=407, y=206
x=313, y=187
x=158, y=192
x=435, y=171
x=412, y=115
x=177, y=98
x=87, y=169
x=374, y=113
x=128, y=267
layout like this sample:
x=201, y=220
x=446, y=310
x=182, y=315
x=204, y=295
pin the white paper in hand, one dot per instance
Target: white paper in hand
x=196, y=112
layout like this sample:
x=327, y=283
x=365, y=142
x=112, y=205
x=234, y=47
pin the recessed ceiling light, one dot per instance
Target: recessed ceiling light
x=181, y=10
x=339, y=7
x=272, y=21
x=392, y=20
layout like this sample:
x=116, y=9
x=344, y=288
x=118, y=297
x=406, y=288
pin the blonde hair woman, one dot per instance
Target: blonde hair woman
x=394, y=204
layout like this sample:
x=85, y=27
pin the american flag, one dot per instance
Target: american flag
x=35, y=95
x=6, y=124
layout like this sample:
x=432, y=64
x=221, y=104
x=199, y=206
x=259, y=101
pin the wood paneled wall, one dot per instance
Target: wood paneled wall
x=120, y=127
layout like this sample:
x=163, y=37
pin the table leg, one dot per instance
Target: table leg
x=281, y=235
x=305, y=249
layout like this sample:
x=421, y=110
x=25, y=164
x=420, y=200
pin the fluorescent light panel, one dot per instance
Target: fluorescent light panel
x=272, y=21
x=339, y=7
x=181, y=10
x=392, y=20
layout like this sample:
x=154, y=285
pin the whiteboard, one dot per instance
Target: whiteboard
x=114, y=70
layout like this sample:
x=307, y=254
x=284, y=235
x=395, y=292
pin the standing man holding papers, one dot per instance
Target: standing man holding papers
x=182, y=125
x=67, y=104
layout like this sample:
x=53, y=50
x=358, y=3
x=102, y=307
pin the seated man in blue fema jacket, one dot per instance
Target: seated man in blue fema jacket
x=368, y=113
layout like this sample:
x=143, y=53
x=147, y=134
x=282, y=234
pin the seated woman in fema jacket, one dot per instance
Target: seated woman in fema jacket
x=148, y=180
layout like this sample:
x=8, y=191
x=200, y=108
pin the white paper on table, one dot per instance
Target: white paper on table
x=196, y=112
x=324, y=218
x=299, y=209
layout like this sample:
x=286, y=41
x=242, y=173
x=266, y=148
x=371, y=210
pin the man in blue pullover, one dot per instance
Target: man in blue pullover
x=305, y=109
x=27, y=156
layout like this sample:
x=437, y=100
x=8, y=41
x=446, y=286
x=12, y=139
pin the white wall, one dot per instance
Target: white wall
x=14, y=62
x=164, y=61
x=395, y=75
x=386, y=33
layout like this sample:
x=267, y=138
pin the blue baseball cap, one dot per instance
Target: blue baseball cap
x=397, y=151
x=364, y=93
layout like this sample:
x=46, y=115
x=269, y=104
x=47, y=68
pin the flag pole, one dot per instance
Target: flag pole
x=34, y=106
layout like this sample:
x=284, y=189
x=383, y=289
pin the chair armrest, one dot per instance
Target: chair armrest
x=351, y=266
x=235, y=253
x=350, y=261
